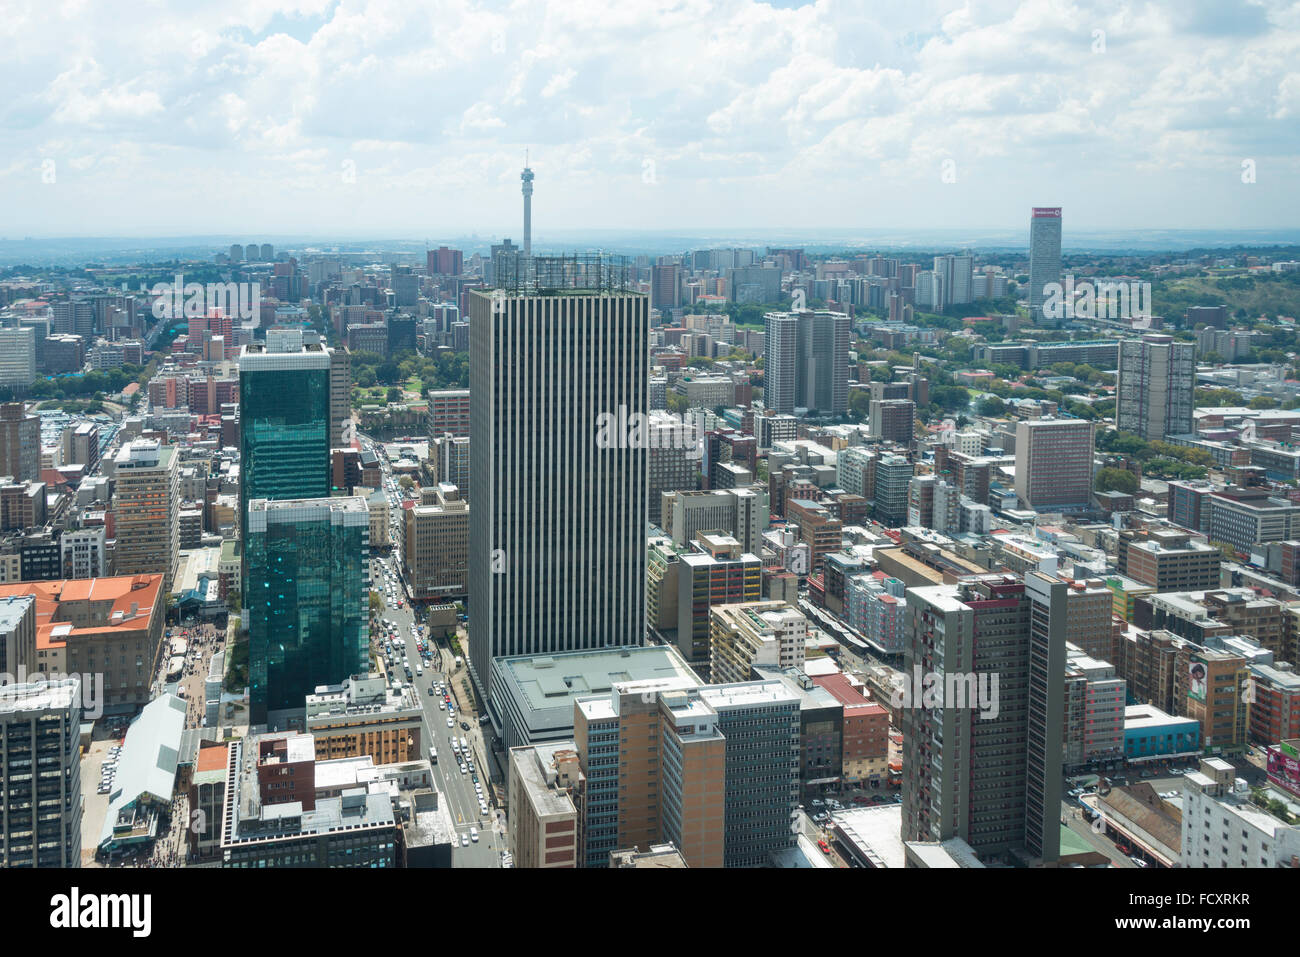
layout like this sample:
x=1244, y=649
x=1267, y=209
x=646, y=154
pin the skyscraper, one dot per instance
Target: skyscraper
x=40, y=763
x=557, y=528
x=284, y=428
x=1044, y=259
x=340, y=396
x=1054, y=463
x=806, y=362
x=146, y=502
x=979, y=758
x=20, y=442
x=1156, y=390
x=17, y=358
x=306, y=598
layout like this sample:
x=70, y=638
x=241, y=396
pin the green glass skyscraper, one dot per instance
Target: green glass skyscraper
x=305, y=580
x=307, y=599
x=284, y=412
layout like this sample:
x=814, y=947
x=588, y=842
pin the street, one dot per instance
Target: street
x=457, y=789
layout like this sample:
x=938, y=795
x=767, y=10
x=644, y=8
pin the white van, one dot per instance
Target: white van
x=473, y=834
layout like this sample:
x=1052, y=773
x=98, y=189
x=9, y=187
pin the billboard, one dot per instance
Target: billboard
x=1284, y=768
x=1047, y=212
x=1196, y=675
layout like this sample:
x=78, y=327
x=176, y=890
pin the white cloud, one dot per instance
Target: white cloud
x=834, y=113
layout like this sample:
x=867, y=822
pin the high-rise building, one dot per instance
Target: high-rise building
x=665, y=286
x=719, y=573
x=780, y=361
x=17, y=358
x=893, y=473
x=81, y=445
x=284, y=412
x=1044, y=260
x=673, y=460
x=340, y=396
x=306, y=598
x=40, y=764
x=743, y=637
x=1054, y=463
x=84, y=554
x=893, y=420
x=146, y=503
x=1156, y=390
x=806, y=362
x=20, y=443
x=978, y=679
x=543, y=820
x=435, y=548
x=557, y=531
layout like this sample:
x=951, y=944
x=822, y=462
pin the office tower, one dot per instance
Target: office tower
x=1044, y=260
x=672, y=459
x=973, y=673
x=956, y=273
x=306, y=599
x=284, y=412
x=449, y=412
x=146, y=500
x=1226, y=827
x=759, y=634
x=1054, y=463
x=17, y=633
x=1049, y=625
x=759, y=722
x=665, y=286
x=893, y=473
x=739, y=512
x=236, y=252
x=557, y=531
x=526, y=178
x=435, y=547
x=1156, y=390
x=719, y=573
x=806, y=362
x=855, y=469
x=1171, y=560
x=445, y=262
x=822, y=371
x=340, y=396
x=20, y=443
x=81, y=445
x=655, y=767
x=17, y=358
x=84, y=553
x=819, y=527
x=893, y=420
x=780, y=362
x=40, y=764
x=452, y=456
x=543, y=820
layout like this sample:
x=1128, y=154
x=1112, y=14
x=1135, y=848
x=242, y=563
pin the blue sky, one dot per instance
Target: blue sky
x=401, y=118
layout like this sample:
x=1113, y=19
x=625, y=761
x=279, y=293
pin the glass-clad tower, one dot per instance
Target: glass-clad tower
x=284, y=413
x=307, y=598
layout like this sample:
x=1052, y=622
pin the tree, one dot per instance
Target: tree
x=1117, y=480
x=406, y=483
x=992, y=407
x=394, y=394
x=1263, y=402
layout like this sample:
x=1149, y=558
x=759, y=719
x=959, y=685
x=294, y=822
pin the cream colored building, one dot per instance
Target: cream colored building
x=754, y=633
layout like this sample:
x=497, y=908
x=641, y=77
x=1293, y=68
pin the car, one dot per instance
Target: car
x=826, y=848
x=473, y=834
x=450, y=723
x=464, y=725
x=1139, y=862
x=464, y=840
